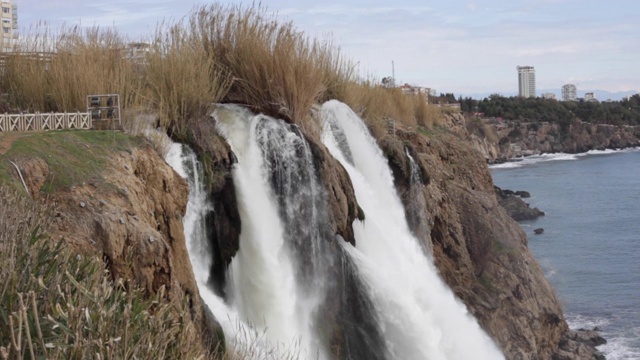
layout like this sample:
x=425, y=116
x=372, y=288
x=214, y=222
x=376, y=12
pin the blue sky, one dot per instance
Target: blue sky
x=462, y=46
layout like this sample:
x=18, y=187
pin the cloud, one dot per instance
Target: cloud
x=346, y=11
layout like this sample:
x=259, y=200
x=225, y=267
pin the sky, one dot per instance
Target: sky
x=459, y=46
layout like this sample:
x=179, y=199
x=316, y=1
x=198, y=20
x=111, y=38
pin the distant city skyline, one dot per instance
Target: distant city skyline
x=460, y=46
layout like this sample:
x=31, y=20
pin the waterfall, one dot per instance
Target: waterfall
x=293, y=288
x=416, y=206
x=276, y=281
x=239, y=334
x=419, y=316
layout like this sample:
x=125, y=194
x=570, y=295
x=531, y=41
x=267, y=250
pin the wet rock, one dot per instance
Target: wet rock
x=580, y=345
x=538, y=231
x=515, y=206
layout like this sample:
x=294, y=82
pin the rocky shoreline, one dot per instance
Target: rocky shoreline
x=575, y=344
x=499, y=142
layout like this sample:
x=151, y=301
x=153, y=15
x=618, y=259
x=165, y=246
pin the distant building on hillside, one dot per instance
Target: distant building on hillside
x=590, y=97
x=137, y=51
x=526, y=81
x=423, y=92
x=569, y=92
x=549, y=95
x=8, y=25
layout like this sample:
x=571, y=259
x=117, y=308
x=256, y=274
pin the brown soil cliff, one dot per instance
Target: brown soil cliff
x=131, y=216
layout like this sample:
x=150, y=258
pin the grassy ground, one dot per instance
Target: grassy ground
x=73, y=156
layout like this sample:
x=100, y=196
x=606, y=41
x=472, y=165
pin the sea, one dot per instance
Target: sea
x=590, y=248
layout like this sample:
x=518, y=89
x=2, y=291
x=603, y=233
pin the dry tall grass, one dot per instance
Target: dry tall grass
x=218, y=54
x=381, y=106
x=182, y=80
x=276, y=68
x=55, y=72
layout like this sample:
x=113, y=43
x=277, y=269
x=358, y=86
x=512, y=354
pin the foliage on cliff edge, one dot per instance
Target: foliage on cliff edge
x=56, y=304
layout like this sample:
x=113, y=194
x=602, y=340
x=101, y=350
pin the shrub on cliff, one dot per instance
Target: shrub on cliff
x=55, y=304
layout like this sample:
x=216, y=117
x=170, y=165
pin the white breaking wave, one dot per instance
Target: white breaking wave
x=618, y=347
x=419, y=315
x=534, y=159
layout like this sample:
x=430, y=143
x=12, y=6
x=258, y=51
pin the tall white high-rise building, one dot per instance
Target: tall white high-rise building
x=526, y=81
x=569, y=92
x=8, y=25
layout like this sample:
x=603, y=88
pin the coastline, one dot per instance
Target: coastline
x=555, y=156
x=575, y=230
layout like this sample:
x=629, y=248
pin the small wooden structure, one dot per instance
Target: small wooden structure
x=104, y=107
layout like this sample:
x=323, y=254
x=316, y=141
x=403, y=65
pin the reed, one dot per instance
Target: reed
x=56, y=304
x=182, y=81
x=276, y=68
x=55, y=71
x=217, y=54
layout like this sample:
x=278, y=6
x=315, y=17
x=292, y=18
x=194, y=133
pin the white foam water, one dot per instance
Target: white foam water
x=240, y=336
x=535, y=159
x=618, y=347
x=264, y=283
x=419, y=316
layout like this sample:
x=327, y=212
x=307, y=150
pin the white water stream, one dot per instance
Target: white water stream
x=420, y=317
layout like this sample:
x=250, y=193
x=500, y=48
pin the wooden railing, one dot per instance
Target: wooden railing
x=45, y=121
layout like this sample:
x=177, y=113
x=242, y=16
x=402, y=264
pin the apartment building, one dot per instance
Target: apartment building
x=526, y=81
x=569, y=92
x=8, y=25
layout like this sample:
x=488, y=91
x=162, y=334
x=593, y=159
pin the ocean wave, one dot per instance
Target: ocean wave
x=619, y=346
x=534, y=159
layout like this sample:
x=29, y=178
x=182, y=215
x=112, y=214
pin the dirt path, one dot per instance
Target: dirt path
x=6, y=140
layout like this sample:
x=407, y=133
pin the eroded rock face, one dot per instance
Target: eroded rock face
x=134, y=222
x=34, y=173
x=480, y=251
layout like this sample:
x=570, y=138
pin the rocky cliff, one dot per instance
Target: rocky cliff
x=132, y=217
x=129, y=213
x=452, y=207
x=501, y=141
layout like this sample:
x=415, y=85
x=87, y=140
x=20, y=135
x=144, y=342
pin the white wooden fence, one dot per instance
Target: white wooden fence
x=45, y=121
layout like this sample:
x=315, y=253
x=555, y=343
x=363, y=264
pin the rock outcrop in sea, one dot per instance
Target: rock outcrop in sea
x=517, y=208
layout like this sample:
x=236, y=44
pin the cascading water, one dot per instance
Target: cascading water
x=183, y=160
x=419, y=316
x=383, y=299
x=291, y=277
x=275, y=282
x=416, y=206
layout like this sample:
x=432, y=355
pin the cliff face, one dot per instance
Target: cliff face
x=131, y=217
x=452, y=208
x=514, y=139
x=481, y=253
